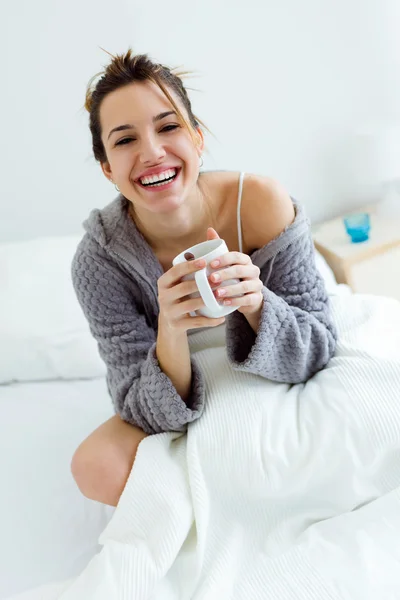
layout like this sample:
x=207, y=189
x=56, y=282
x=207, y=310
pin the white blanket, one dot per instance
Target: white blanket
x=277, y=492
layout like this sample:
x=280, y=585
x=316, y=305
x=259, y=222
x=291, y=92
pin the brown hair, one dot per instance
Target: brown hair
x=128, y=68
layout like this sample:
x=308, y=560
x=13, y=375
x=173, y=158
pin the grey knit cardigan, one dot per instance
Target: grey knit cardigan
x=115, y=273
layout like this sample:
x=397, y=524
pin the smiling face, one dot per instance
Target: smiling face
x=151, y=154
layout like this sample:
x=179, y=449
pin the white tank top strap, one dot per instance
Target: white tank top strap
x=239, y=202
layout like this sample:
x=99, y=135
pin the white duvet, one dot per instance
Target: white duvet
x=277, y=492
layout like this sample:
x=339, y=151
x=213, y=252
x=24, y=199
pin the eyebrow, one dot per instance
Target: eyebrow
x=155, y=119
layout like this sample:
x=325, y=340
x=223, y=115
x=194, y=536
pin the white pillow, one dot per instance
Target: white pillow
x=44, y=334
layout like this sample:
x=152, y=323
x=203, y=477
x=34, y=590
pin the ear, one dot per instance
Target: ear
x=105, y=167
x=200, y=144
x=212, y=234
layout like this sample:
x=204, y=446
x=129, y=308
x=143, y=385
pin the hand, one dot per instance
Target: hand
x=238, y=266
x=175, y=305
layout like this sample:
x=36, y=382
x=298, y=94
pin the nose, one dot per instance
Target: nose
x=151, y=150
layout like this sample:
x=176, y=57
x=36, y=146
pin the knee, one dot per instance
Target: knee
x=100, y=473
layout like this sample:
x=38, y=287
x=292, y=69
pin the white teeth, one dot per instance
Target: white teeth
x=159, y=177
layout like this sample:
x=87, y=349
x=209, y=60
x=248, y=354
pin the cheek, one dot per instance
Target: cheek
x=184, y=145
x=124, y=163
x=191, y=157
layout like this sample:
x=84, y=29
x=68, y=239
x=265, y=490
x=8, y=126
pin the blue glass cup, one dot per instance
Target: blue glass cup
x=358, y=226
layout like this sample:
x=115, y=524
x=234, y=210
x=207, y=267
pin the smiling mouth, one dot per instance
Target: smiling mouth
x=154, y=182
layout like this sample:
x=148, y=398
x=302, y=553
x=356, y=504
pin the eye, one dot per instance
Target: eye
x=122, y=142
x=170, y=127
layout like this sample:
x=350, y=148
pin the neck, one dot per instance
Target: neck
x=173, y=232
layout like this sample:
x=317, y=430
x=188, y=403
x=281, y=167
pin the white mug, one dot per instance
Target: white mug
x=209, y=251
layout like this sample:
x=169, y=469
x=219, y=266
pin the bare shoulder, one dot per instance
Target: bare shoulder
x=266, y=210
x=266, y=207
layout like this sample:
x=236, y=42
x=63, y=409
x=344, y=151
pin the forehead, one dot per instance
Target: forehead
x=135, y=103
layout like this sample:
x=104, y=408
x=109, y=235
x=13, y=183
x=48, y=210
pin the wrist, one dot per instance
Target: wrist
x=254, y=317
x=168, y=332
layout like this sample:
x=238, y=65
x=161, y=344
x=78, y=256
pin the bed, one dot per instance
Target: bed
x=52, y=395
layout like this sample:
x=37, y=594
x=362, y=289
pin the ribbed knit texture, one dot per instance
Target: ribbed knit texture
x=115, y=275
x=278, y=491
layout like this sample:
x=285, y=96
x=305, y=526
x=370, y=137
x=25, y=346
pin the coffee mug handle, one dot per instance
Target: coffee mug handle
x=206, y=292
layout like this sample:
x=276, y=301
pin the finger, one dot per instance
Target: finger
x=175, y=273
x=186, y=306
x=179, y=291
x=246, y=271
x=249, y=300
x=247, y=286
x=212, y=234
x=230, y=258
x=185, y=288
x=197, y=322
x=189, y=322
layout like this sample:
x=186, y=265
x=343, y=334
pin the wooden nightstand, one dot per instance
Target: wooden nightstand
x=370, y=267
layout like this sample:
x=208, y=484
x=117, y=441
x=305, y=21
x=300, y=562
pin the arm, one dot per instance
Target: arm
x=142, y=393
x=292, y=335
x=173, y=356
x=296, y=336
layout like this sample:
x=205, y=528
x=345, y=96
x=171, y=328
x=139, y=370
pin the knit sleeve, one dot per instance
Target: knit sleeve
x=296, y=335
x=142, y=393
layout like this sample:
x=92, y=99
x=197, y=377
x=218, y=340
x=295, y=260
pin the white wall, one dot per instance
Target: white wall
x=284, y=86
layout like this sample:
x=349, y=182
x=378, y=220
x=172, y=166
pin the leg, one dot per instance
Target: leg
x=103, y=461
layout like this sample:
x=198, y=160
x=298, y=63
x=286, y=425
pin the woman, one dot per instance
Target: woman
x=149, y=143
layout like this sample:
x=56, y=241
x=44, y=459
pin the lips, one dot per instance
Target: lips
x=158, y=185
x=156, y=171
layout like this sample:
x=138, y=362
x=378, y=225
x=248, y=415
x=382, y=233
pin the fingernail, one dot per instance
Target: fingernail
x=215, y=277
x=215, y=263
